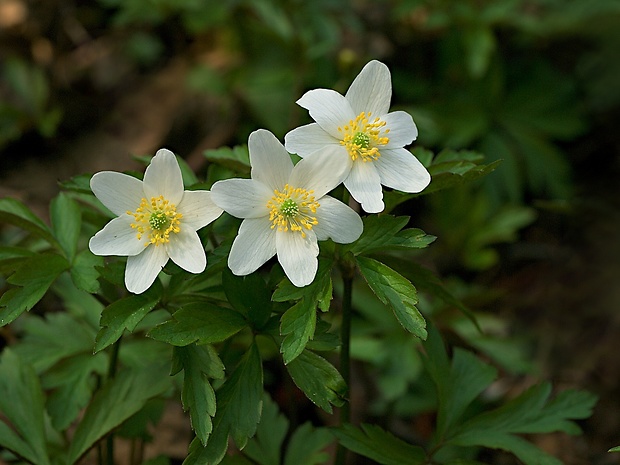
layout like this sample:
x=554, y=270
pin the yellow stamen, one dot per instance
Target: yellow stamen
x=362, y=137
x=157, y=218
x=292, y=209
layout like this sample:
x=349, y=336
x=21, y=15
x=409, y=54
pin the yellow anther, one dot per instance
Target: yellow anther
x=292, y=209
x=363, y=137
x=157, y=218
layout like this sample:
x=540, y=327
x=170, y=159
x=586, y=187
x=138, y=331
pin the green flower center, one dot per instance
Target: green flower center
x=293, y=209
x=157, y=218
x=362, y=139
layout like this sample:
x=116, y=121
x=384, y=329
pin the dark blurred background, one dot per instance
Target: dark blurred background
x=533, y=248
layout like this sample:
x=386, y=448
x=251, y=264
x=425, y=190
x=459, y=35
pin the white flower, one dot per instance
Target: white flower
x=285, y=209
x=369, y=140
x=157, y=220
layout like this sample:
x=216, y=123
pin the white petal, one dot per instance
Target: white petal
x=400, y=170
x=403, y=130
x=271, y=163
x=243, y=198
x=322, y=171
x=364, y=184
x=337, y=222
x=297, y=255
x=163, y=177
x=253, y=246
x=117, y=191
x=117, y=238
x=143, y=269
x=186, y=250
x=307, y=139
x=329, y=109
x=371, y=91
x=198, y=209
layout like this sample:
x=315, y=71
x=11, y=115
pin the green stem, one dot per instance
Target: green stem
x=111, y=373
x=345, y=353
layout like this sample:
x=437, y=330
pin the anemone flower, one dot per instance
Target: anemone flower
x=285, y=209
x=369, y=141
x=157, y=220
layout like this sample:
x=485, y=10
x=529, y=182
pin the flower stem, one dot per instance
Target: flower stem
x=111, y=373
x=345, y=352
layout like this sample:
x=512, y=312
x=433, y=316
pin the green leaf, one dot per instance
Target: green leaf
x=47, y=341
x=236, y=158
x=307, y=446
x=319, y=291
x=124, y=314
x=199, y=363
x=264, y=448
x=202, y=322
x=14, y=212
x=614, y=449
x=318, y=379
x=22, y=428
x=35, y=275
x=396, y=291
x=66, y=222
x=11, y=258
x=118, y=399
x=84, y=271
x=71, y=383
x=297, y=325
x=458, y=383
x=248, y=295
x=79, y=184
x=383, y=232
x=381, y=446
x=239, y=403
x=531, y=412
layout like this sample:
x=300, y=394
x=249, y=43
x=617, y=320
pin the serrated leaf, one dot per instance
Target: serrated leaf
x=124, y=314
x=35, y=275
x=381, y=446
x=202, y=322
x=297, y=325
x=383, y=232
x=264, y=448
x=21, y=405
x=116, y=401
x=14, y=212
x=198, y=364
x=248, y=295
x=70, y=384
x=396, y=291
x=47, y=341
x=531, y=412
x=318, y=379
x=319, y=291
x=66, y=223
x=239, y=403
x=84, y=271
x=236, y=158
x=458, y=383
x=307, y=446
x=11, y=258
